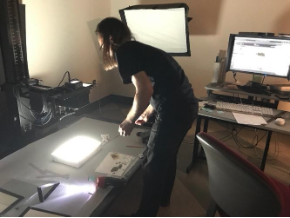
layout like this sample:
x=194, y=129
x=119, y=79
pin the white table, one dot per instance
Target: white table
x=33, y=165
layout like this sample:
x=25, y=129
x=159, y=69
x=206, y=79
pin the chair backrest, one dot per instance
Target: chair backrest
x=238, y=187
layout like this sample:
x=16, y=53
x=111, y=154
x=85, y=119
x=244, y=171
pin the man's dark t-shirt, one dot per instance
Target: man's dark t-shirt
x=167, y=77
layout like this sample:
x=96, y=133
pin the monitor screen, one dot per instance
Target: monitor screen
x=265, y=55
x=162, y=26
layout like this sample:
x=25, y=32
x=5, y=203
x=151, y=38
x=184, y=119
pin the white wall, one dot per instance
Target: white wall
x=60, y=38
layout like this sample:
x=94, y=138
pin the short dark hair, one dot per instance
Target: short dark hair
x=114, y=33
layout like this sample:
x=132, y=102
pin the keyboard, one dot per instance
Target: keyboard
x=243, y=108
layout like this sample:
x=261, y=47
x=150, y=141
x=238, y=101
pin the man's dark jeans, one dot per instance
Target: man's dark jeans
x=167, y=133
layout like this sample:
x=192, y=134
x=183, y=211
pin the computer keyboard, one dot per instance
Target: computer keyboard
x=243, y=108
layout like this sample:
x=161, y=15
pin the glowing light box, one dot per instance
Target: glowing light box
x=76, y=151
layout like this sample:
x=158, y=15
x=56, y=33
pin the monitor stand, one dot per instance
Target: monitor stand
x=281, y=91
x=255, y=88
x=255, y=84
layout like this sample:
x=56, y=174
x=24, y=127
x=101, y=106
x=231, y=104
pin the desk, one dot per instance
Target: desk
x=211, y=88
x=22, y=171
x=228, y=117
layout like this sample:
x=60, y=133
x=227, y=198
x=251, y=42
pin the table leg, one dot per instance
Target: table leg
x=263, y=163
x=201, y=154
x=205, y=124
x=195, y=145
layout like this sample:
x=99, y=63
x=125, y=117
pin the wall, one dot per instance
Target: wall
x=209, y=29
x=60, y=38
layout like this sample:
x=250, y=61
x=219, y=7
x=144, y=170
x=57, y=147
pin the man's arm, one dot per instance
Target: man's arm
x=144, y=117
x=144, y=91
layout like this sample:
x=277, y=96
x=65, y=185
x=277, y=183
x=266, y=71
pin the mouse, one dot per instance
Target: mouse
x=280, y=121
x=209, y=106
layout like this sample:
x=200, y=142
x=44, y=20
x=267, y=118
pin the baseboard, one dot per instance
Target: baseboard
x=122, y=99
x=118, y=99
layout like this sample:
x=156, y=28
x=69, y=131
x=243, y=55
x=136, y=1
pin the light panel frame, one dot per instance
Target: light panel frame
x=159, y=33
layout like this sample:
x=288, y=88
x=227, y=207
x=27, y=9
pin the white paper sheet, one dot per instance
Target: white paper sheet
x=6, y=200
x=249, y=119
x=115, y=164
x=36, y=213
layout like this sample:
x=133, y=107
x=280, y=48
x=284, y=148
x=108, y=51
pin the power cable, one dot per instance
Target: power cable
x=32, y=112
x=68, y=73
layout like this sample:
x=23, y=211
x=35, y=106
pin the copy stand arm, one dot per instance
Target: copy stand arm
x=40, y=189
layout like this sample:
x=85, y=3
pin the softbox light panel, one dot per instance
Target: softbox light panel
x=162, y=26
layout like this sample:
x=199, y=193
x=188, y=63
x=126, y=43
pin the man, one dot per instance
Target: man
x=162, y=87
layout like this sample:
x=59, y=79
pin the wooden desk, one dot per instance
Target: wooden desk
x=33, y=165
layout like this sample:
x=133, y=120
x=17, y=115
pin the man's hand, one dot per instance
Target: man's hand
x=145, y=116
x=144, y=91
x=141, y=120
x=126, y=128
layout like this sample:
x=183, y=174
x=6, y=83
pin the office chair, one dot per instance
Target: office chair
x=237, y=187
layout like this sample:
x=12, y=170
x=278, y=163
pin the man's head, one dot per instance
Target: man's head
x=111, y=34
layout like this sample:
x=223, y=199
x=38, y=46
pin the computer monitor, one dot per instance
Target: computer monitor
x=264, y=55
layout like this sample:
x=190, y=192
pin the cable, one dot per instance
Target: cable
x=100, y=109
x=234, y=136
x=240, y=98
x=224, y=138
x=21, y=103
x=188, y=142
x=254, y=157
x=278, y=168
x=40, y=119
x=66, y=115
x=255, y=141
x=33, y=122
x=255, y=148
x=234, y=75
x=263, y=80
x=68, y=73
x=13, y=90
x=277, y=147
x=255, y=137
x=276, y=152
x=240, y=144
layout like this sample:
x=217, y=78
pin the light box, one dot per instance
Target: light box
x=163, y=26
x=76, y=151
